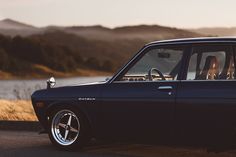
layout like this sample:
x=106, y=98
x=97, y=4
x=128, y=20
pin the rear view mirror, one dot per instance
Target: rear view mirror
x=163, y=55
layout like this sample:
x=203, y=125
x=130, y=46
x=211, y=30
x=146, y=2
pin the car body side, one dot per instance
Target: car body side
x=194, y=104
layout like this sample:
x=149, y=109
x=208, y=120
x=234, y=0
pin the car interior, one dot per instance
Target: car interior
x=207, y=64
x=211, y=69
x=163, y=64
x=153, y=75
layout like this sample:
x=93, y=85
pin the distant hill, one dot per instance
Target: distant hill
x=14, y=25
x=142, y=32
x=54, y=50
x=12, y=28
x=217, y=31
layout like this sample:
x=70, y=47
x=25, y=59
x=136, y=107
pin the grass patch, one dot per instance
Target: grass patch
x=21, y=110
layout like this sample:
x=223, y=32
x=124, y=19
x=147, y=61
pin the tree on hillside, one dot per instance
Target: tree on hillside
x=107, y=66
x=4, y=61
x=93, y=63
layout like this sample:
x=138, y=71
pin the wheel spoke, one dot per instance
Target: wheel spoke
x=74, y=130
x=66, y=134
x=62, y=125
x=69, y=120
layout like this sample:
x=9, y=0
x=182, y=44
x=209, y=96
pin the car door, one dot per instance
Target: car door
x=138, y=104
x=206, y=99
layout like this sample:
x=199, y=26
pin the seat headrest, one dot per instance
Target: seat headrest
x=211, y=61
x=210, y=69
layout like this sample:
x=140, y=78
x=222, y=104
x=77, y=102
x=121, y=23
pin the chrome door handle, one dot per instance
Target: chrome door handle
x=165, y=87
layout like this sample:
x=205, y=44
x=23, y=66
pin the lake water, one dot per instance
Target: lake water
x=22, y=89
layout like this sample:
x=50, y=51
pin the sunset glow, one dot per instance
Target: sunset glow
x=181, y=13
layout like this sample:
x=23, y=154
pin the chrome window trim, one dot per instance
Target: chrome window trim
x=223, y=80
x=161, y=81
x=194, y=41
x=169, y=81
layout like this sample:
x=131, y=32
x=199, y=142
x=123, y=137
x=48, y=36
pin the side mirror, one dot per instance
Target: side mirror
x=51, y=82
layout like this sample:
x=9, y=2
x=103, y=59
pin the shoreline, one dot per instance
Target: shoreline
x=35, y=76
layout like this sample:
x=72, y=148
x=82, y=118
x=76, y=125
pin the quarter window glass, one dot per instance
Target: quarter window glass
x=211, y=63
x=157, y=64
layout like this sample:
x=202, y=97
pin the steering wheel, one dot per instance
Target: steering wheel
x=158, y=71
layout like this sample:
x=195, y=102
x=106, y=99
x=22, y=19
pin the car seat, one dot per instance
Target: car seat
x=210, y=70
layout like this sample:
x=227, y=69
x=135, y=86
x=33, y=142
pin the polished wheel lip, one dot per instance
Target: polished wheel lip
x=68, y=128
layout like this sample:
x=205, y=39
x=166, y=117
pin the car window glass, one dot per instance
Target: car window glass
x=157, y=64
x=211, y=63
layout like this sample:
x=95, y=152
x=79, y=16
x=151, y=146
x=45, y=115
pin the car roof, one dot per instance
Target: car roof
x=194, y=40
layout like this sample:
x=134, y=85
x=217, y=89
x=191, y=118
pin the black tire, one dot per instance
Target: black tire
x=84, y=132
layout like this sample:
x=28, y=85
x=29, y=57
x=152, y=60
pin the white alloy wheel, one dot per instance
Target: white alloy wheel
x=65, y=127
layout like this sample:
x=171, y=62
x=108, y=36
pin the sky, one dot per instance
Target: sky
x=113, y=13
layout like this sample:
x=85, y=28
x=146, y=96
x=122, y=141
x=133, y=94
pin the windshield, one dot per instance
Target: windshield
x=155, y=61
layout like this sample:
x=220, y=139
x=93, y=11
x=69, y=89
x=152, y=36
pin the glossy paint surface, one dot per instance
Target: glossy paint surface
x=147, y=109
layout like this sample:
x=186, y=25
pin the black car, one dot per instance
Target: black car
x=173, y=88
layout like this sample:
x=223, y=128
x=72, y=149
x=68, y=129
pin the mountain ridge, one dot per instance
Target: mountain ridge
x=12, y=24
x=216, y=31
x=13, y=28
